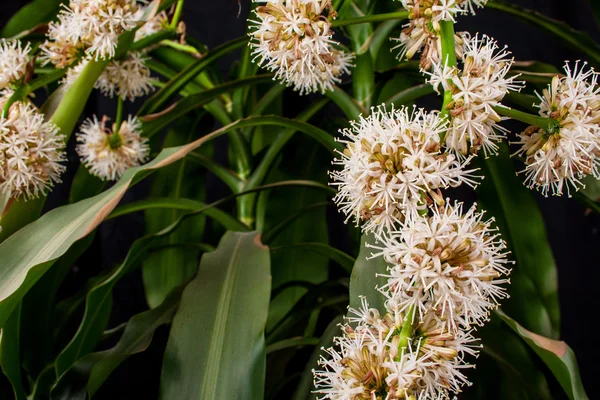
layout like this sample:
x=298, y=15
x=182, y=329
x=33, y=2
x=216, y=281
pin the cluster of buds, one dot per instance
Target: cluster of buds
x=31, y=151
x=89, y=28
x=379, y=358
x=479, y=86
x=293, y=38
x=393, y=168
x=108, y=153
x=450, y=263
x=422, y=32
x=14, y=62
x=559, y=158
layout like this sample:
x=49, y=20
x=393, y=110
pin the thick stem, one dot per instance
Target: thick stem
x=370, y=18
x=548, y=124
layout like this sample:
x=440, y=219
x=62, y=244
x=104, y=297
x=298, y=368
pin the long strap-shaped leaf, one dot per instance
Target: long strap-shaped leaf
x=557, y=355
x=88, y=374
x=216, y=348
x=27, y=254
x=171, y=89
x=534, y=277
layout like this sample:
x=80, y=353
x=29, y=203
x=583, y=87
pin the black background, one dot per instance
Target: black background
x=572, y=232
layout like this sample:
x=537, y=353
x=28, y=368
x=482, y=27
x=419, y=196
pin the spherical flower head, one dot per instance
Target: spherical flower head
x=14, y=59
x=369, y=361
x=450, y=264
x=477, y=87
x=558, y=160
x=90, y=26
x=393, y=167
x=293, y=38
x=108, y=155
x=127, y=79
x=31, y=151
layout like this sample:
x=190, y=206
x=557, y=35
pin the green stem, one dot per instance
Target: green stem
x=67, y=113
x=448, y=57
x=406, y=333
x=31, y=87
x=548, y=124
x=370, y=18
x=363, y=83
x=177, y=15
x=115, y=139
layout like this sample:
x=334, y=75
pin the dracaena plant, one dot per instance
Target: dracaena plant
x=257, y=302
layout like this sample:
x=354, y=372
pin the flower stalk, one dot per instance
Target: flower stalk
x=449, y=58
x=548, y=124
x=177, y=14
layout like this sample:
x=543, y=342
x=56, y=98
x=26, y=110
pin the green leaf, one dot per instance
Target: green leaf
x=291, y=343
x=575, y=39
x=38, y=322
x=360, y=35
x=167, y=203
x=29, y=253
x=98, y=307
x=170, y=268
x=85, y=185
x=409, y=95
x=34, y=13
x=338, y=256
x=153, y=123
x=306, y=161
x=364, y=280
x=10, y=358
x=89, y=373
x=65, y=117
x=305, y=388
x=346, y=103
x=557, y=355
x=216, y=348
x=170, y=90
x=507, y=368
x=534, y=276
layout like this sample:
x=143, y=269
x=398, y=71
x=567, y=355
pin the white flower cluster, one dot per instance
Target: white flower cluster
x=89, y=28
x=394, y=167
x=558, y=160
x=14, y=59
x=374, y=359
x=293, y=38
x=446, y=267
x=127, y=79
x=450, y=264
x=108, y=154
x=31, y=151
x=477, y=87
x=422, y=32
